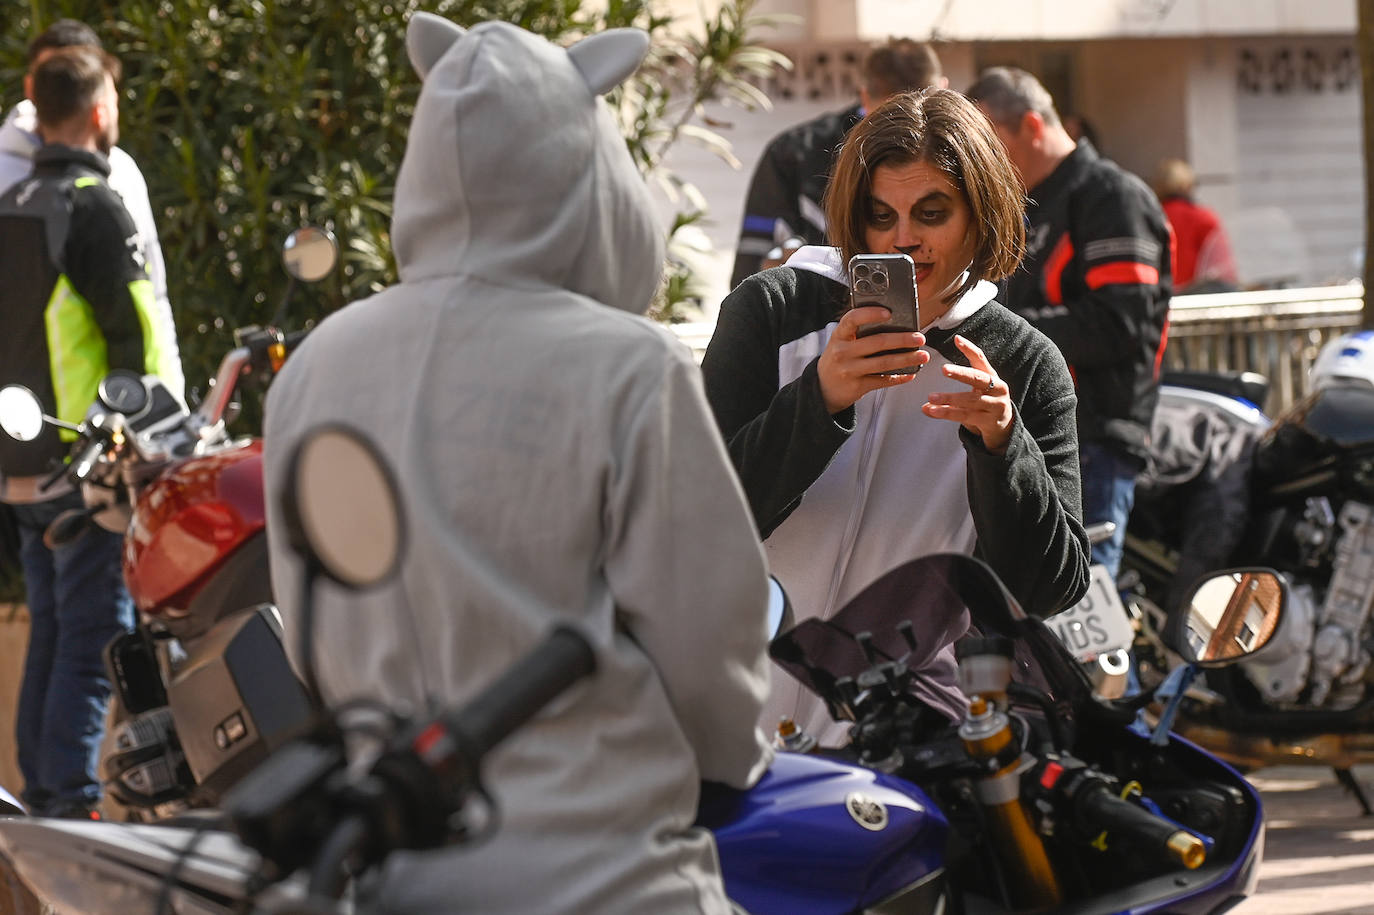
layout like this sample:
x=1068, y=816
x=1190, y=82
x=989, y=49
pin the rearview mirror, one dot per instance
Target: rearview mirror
x=779, y=608
x=342, y=508
x=21, y=415
x=1228, y=616
x=310, y=254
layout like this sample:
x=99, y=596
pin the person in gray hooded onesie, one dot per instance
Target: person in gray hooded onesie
x=557, y=462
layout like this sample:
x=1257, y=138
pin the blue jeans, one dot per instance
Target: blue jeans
x=77, y=604
x=1108, y=494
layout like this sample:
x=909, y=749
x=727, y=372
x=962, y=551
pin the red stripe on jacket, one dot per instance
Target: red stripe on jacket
x=1054, y=270
x=1122, y=272
x=1163, y=342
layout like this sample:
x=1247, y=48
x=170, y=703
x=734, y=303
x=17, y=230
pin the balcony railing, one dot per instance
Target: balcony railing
x=1276, y=332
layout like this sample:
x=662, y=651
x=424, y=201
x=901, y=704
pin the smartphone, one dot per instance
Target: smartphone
x=888, y=280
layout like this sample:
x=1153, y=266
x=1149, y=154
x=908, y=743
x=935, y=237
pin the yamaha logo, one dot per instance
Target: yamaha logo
x=867, y=812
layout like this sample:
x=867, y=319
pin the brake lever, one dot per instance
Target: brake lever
x=52, y=479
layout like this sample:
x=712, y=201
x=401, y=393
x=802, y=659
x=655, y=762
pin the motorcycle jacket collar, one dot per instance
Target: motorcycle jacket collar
x=1064, y=173
x=56, y=157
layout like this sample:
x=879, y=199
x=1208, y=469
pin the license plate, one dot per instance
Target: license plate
x=1096, y=624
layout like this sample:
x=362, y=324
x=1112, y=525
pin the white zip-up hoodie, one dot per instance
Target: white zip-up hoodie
x=558, y=462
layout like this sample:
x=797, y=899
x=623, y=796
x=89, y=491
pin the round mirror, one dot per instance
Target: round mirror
x=779, y=608
x=310, y=254
x=1230, y=615
x=21, y=415
x=343, y=509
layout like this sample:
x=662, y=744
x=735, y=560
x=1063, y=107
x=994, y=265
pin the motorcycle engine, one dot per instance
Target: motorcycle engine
x=1280, y=670
x=1340, y=654
x=1322, y=645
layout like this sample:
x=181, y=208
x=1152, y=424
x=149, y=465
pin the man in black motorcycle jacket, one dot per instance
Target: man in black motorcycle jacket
x=785, y=192
x=76, y=303
x=1096, y=279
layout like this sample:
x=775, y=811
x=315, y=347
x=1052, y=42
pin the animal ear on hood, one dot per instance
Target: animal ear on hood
x=428, y=37
x=607, y=58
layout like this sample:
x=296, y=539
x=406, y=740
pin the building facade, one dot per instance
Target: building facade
x=1261, y=97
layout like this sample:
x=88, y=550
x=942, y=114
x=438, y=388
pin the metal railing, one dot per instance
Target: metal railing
x=1276, y=332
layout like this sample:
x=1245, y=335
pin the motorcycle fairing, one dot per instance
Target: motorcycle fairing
x=935, y=593
x=1231, y=869
x=790, y=843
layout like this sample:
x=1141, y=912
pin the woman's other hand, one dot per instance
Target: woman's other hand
x=986, y=409
x=848, y=368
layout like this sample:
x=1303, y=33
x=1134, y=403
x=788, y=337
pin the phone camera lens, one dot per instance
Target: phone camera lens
x=861, y=271
x=864, y=287
x=880, y=282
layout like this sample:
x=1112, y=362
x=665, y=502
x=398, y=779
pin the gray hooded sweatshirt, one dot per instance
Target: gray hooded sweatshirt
x=557, y=462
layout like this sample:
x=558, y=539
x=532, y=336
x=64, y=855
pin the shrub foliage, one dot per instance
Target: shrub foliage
x=251, y=118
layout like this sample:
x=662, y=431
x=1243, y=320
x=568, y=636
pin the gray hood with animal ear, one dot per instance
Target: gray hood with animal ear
x=570, y=210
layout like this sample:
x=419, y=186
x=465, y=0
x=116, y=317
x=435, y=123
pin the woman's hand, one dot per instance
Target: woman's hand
x=848, y=368
x=986, y=410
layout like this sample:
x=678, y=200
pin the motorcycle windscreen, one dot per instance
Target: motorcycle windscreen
x=945, y=596
x=1318, y=448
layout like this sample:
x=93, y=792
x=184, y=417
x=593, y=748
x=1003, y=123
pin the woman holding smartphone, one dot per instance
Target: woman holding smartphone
x=850, y=470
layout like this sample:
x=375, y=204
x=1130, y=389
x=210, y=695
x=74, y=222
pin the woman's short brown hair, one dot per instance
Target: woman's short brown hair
x=945, y=129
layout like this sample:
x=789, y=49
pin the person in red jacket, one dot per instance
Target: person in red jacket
x=1203, y=261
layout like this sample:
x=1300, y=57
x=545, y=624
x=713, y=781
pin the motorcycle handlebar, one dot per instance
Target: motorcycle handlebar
x=1102, y=809
x=211, y=410
x=298, y=800
x=256, y=351
x=78, y=469
x=293, y=339
x=83, y=464
x=558, y=662
x=329, y=875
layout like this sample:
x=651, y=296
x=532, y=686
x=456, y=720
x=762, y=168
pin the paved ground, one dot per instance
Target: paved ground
x=1319, y=850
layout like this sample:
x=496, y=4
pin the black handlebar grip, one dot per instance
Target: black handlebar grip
x=293, y=339
x=51, y=479
x=86, y=459
x=558, y=662
x=83, y=464
x=1101, y=809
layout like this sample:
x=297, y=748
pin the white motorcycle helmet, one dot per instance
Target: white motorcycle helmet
x=1345, y=361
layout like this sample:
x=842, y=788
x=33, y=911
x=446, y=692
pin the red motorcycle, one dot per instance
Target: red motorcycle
x=202, y=686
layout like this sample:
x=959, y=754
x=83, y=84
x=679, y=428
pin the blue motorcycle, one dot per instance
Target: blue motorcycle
x=1037, y=797
x=1042, y=798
